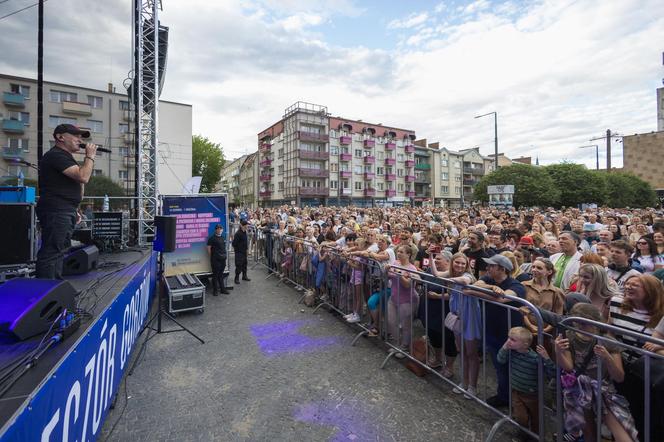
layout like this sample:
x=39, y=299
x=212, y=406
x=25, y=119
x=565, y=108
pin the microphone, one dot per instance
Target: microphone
x=99, y=148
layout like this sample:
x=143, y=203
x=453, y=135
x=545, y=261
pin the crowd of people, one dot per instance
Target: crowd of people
x=602, y=264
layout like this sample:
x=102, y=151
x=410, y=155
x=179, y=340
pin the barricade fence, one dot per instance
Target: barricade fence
x=385, y=300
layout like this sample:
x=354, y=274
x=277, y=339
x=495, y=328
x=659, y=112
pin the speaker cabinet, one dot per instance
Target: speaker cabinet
x=17, y=236
x=166, y=227
x=29, y=306
x=80, y=261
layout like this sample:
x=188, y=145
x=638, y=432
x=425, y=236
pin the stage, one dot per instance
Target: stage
x=67, y=394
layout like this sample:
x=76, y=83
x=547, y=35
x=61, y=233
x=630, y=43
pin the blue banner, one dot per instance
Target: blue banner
x=72, y=403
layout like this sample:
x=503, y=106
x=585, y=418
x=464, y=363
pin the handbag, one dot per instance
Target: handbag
x=453, y=322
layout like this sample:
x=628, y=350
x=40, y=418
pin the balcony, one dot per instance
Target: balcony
x=390, y=176
x=410, y=178
x=423, y=166
x=13, y=100
x=390, y=193
x=470, y=182
x=390, y=145
x=369, y=192
x=13, y=153
x=390, y=161
x=313, y=155
x=474, y=170
x=347, y=191
x=345, y=140
x=422, y=179
x=316, y=173
x=312, y=137
x=369, y=160
x=314, y=191
x=410, y=193
x=346, y=157
x=264, y=193
x=368, y=144
x=265, y=163
x=345, y=174
x=264, y=177
x=409, y=148
x=13, y=126
x=369, y=175
x=422, y=195
x=410, y=163
x=71, y=107
x=265, y=146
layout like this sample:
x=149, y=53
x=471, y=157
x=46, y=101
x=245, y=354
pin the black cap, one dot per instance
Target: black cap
x=218, y=226
x=70, y=129
x=243, y=222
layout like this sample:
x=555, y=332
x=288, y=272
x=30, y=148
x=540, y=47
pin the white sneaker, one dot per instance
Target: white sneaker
x=354, y=319
x=459, y=390
x=470, y=392
x=348, y=316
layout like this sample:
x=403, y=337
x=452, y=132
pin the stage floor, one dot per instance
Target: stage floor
x=97, y=289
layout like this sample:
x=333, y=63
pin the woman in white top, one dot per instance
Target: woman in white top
x=646, y=254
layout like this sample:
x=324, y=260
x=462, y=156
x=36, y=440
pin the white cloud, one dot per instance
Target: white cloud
x=411, y=21
x=300, y=21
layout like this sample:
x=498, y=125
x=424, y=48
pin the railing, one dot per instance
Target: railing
x=72, y=107
x=265, y=146
x=390, y=193
x=346, y=157
x=12, y=99
x=473, y=170
x=410, y=178
x=410, y=163
x=312, y=136
x=390, y=145
x=345, y=140
x=265, y=162
x=264, y=193
x=314, y=191
x=410, y=193
x=314, y=155
x=13, y=126
x=309, y=172
x=369, y=144
x=390, y=161
x=369, y=192
x=423, y=166
x=264, y=177
x=345, y=174
x=390, y=176
x=346, y=191
x=470, y=182
x=409, y=148
x=369, y=160
x=369, y=175
x=9, y=153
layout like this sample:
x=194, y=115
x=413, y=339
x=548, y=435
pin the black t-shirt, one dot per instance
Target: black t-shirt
x=477, y=264
x=497, y=324
x=57, y=192
x=218, y=244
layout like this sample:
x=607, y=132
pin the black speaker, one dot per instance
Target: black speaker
x=29, y=306
x=80, y=261
x=17, y=236
x=164, y=240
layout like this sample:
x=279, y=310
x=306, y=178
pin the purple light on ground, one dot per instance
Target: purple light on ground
x=283, y=337
x=350, y=425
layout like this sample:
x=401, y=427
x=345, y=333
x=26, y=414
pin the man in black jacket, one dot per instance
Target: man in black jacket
x=240, y=245
x=216, y=247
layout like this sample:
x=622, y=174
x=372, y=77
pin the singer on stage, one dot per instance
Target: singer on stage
x=61, y=181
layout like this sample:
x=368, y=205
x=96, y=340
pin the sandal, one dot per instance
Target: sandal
x=373, y=332
x=447, y=373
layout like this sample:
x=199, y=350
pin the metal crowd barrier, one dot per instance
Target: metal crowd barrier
x=336, y=291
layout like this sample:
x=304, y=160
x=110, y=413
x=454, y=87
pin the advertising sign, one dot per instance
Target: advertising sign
x=107, y=225
x=196, y=217
x=502, y=195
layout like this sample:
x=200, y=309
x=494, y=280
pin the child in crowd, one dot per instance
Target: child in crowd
x=286, y=258
x=357, y=264
x=523, y=375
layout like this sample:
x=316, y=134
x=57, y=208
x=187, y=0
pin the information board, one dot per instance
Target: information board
x=196, y=217
x=107, y=225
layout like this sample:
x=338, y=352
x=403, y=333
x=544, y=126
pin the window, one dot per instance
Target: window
x=95, y=102
x=310, y=164
x=457, y=164
x=23, y=117
x=358, y=185
x=334, y=184
x=400, y=157
x=367, y=169
x=310, y=147
x=333, y=133
x=54, y=120
x=399, y=172
x=60, y=96
x=310, y=129
x=280, y=170
x=123, y=128
x=280, y=153
x=123, y=174
x=457, y=179
x=388, y=170
x=400, y=187
x=18, y=143
x=97, y=172
x=124, y=105
x=358, y=153
x=20, y=89
x=381, y=155
x=444, y=189
x=344, y=167
x=380, y=186
x=379, y=170
x=123, y=151
x=357, y=169
x=334, y=167
x=444, y=176
x=345, y=184
x=281, y=185
x=334, y=150
x=96, y=126
x=443, y=162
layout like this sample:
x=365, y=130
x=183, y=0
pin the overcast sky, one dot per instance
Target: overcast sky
x=557, y=72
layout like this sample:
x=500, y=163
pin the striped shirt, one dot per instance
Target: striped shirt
x=523, y=374
x=634, y=320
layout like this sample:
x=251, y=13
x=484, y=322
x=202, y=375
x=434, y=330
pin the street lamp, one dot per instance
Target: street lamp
x=596, y=154
x=495, y=135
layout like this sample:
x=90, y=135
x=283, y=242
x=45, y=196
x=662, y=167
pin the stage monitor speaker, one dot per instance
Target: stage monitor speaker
x=29, y=306
x=17, y=236
x=164, y=240
x=80, y=261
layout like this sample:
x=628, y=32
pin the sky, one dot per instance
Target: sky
x=557, y=72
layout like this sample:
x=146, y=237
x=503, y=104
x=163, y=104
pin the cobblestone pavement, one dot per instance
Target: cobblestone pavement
x=270, y=370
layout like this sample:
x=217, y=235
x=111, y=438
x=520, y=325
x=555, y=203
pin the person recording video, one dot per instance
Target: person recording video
x=61, y=181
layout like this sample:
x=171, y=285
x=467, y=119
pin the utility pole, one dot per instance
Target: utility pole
x=495, y=136
x=608, y=150
x=596, y=154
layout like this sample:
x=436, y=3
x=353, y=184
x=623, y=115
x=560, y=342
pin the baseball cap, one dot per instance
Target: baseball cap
x=243, y=222
x=500, y=260
x=70, y=129
x=526, y=241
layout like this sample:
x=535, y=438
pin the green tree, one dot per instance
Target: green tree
x=207, y=161
x=628, y=190
x=532, y=185
x=102, y=185
x=577, y=184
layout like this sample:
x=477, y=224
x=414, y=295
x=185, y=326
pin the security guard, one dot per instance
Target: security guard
x=216, y=247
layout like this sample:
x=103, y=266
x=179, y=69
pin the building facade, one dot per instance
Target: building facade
x=249, y=181
x=660, y=109
x=310, y=158
x=229, y=179
x=641, y=156
x=109, y=118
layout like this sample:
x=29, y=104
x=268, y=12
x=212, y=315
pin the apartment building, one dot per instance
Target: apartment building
x=641, y=156
x=229, y=179
x=107, y=115
x=249, y=181
x=309, y=158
